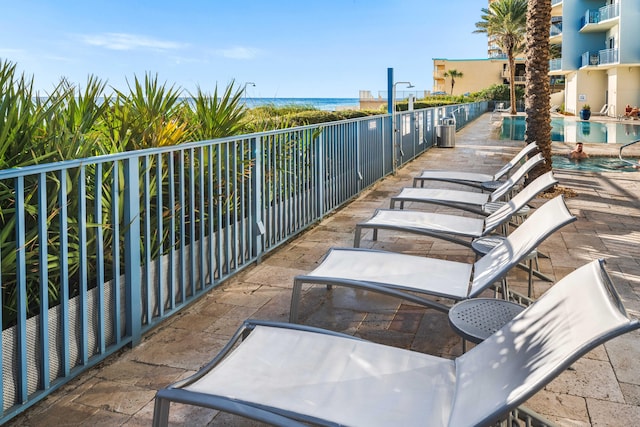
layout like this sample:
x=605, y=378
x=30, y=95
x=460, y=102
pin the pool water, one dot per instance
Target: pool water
x=572, y=130
x=593, y=164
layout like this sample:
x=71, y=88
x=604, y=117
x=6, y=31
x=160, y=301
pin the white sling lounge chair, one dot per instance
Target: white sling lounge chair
x=471, y=178
x=295, y=375
x=453, y=228
x=408, y=276
x=471, y=201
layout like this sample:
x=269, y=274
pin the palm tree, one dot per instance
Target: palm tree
x=505, y=22
x=537, y=90
x=454, y=74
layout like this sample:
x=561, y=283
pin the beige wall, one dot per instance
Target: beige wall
x=628, y=91
x=622, y=85
x=477, y=74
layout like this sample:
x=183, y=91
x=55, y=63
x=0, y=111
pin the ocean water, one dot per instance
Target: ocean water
x=327, y=104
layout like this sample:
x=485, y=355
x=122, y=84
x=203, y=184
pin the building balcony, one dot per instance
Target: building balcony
x=609, y=56
x=517, y=79
x=600, y=58
x=555, y=3
x=555, y=64
x=600, y=20
x=555, y=33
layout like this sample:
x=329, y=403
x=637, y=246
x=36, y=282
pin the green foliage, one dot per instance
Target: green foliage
x=453, y=74
x=586, y=107
x=71, y=123
x=215, y=116
x=146, y=116
x=312, y=117
x=436, y=101
x=499, y=92
x=505, y=21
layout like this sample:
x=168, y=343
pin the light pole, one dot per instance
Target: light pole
x=244, y=91
x=394, y=123
x=244, y=88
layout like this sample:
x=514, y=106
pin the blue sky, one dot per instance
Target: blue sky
x=301, y=48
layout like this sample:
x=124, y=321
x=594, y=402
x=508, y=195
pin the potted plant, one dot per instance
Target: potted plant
x=585, y=113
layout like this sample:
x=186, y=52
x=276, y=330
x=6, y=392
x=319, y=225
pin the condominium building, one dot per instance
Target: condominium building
x=598, y=47
x=477, y=74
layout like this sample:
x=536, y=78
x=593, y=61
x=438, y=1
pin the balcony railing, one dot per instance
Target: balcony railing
x=518, y=79
x=609, y=56
x=602, y=14
x=590, y=17
x=98, y=251
x=555, y=2
x=609, y=12
x=556, y=30
x=605, y=56
x=555, y=64
x=589, y=59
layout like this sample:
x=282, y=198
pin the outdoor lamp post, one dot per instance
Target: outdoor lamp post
x=394, y=124
x=244, y=88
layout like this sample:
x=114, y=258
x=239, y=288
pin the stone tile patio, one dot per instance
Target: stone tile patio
x=601, y=389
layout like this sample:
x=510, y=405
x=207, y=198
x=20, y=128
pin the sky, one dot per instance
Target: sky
x=288, y=48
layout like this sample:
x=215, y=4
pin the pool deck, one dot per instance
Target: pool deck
x=601, y=389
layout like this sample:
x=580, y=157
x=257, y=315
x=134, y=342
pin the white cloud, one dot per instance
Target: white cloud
x=238, y=52
x=123, y=41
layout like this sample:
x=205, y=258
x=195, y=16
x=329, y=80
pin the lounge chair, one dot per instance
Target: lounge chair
x=407, y=276
x=453, y=228
x=295, y=375
x=471, y=201
x=603, y=111
x=471, y=178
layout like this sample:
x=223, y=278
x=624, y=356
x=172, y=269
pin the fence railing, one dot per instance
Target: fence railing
x=97, y=251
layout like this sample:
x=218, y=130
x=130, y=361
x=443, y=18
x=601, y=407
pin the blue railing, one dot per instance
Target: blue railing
x=97, y=251
x=589, y=58
x=590, y=17
x=555, y=64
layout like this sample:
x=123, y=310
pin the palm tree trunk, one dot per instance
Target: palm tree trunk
x=512, y=82
x=537, y=102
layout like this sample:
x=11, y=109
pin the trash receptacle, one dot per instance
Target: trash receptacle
x=446, y=134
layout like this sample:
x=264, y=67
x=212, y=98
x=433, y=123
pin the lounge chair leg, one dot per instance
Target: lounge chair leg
x=530, y=292
x=161, y=412
x=357, y=237
x=375, y=234
x=295, y=299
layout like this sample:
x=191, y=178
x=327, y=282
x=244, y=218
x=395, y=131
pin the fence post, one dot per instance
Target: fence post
x=320, y=176
x=257, y=201
x=132, y=249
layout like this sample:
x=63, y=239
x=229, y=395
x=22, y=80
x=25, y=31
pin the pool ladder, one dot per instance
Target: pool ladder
x=622, y=159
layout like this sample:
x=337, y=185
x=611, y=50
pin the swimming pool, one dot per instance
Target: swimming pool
x=593, y=164
x=572, y=130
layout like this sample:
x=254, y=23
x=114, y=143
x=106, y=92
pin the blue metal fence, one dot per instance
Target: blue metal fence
x=103, y=249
